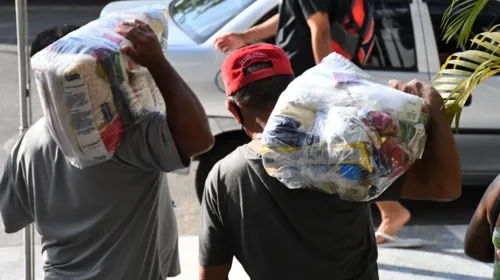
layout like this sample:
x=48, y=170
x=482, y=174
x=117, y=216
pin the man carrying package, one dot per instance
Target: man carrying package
x=113, y=220
x=309, y=30
x=279, y=233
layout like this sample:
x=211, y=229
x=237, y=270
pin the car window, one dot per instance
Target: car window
x=200, y=19
x=484, y=22
x=394, y=48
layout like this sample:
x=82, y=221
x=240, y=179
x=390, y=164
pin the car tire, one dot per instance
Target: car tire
x=224, y=145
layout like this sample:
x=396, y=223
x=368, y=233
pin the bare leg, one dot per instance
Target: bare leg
x=394, y=217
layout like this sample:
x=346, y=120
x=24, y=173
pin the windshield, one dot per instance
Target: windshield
x=200, y=19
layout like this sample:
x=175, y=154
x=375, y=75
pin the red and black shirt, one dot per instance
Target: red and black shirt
x=351, y=27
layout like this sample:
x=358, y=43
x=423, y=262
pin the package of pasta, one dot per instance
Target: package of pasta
x=91, y=93
x=338, y=130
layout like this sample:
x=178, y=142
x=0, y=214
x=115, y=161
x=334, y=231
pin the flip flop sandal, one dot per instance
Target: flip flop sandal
x=395, y=242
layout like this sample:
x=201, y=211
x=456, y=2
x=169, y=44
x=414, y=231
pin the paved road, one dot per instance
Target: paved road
x=444, y=224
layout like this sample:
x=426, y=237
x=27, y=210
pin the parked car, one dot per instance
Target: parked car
x=408, y=45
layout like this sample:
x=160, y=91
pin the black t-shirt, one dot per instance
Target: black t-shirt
x=294, y=35
x=278, y=233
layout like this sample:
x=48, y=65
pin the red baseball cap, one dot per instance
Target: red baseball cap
x=233, y=67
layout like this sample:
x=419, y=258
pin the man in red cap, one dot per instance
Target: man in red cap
x=279, y=233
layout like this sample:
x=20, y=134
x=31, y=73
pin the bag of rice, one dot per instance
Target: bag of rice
x=91, y=92
x=338, y=130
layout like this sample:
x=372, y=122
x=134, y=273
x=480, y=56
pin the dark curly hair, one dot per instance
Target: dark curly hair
x=49, y=36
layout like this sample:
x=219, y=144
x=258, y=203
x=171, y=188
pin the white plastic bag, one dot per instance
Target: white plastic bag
x=91, y=92
x=339, y=130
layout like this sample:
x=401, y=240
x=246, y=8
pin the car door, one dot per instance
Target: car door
x=399, y=52
x=479, y=137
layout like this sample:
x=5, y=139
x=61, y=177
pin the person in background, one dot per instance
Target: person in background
x=309, y=30
x=279, y=233
x=482, y=239
x=113, y=220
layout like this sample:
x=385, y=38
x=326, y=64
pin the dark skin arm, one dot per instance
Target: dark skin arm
x=437, y=176
x=185, y=114
x=478, y=243
x=214, y=272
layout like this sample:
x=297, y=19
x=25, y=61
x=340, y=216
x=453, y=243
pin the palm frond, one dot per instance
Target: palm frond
x=464, y=71
x=459, y=19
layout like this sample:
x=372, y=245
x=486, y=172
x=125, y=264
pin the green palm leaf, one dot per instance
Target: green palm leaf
x=459, y=19
x=464, y=71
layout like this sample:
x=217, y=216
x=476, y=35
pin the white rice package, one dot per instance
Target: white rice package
x=90, y=92
x=338, y=130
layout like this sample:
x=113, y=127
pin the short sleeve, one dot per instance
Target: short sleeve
x=214, y=244
x=149, y=145
x=311, y=7
x=393, y=193
x=14, y=196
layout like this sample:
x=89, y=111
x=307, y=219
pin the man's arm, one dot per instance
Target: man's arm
x=233, y=41
x=265, y=30
x=316, y=14
x=320, y=36
x=215, y=272
x=185, y=115
x=15, y=203
x=215, y=254
x=477, y=243
x=437, y=176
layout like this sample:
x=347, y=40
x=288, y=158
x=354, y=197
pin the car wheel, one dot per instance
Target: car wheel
x=224, y=145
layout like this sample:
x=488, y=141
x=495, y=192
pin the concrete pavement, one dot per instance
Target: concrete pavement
x=442, y=258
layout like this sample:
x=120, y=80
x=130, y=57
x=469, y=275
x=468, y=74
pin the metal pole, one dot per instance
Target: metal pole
x=25, y=118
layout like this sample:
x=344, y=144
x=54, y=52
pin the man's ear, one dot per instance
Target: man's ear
x=230, y=107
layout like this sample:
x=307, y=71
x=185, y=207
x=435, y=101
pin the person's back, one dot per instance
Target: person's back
x=102, y=219
x=278, y=233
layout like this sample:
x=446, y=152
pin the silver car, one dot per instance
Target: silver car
x=408, y=45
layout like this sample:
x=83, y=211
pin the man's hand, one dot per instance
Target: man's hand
x=437, y=176
x=425, y=91
x=146, y=50
x=230, y=41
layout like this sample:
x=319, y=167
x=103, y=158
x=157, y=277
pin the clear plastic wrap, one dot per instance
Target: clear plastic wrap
x=91, y=92
x=339, y=130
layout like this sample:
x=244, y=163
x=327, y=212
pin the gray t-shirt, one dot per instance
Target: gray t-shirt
x=114, y=220
x=278, y=233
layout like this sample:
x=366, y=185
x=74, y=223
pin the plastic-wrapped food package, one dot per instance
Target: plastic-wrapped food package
x=339, y=130
x=90, y=92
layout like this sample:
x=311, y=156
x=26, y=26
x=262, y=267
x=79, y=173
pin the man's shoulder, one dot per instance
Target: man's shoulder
x=226, y=174
x=34, y=138
x=232, y=165
x=33, y=144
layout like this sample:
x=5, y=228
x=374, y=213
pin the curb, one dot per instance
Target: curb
x=8, y=48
